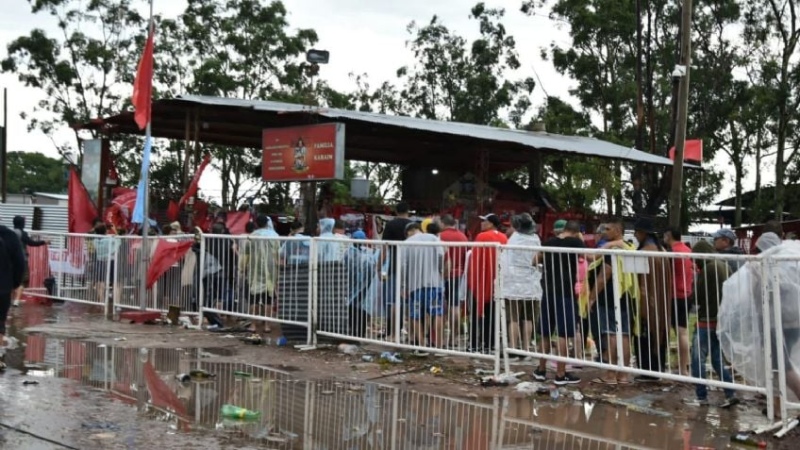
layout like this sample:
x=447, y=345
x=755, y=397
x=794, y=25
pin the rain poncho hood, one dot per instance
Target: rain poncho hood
x=326, y=226
x=521, y=281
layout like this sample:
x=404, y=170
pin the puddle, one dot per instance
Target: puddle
x=118, y=397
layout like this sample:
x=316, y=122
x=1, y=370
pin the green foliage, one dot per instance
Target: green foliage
x=35, y=172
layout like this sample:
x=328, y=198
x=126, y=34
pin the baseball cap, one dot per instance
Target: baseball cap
x=726, y=233
x=491, y=218
x=359, y=234
x=559, y=225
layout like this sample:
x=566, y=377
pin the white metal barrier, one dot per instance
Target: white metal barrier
x=609, y=309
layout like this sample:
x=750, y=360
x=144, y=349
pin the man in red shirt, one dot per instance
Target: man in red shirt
x=455, y=258
x=683, y=288
x=480, y=282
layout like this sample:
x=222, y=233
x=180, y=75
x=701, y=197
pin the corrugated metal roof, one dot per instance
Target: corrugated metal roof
x=54, y=217
x=536, y=140
x=62, y=197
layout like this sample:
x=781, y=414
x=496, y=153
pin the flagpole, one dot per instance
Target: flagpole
x=144, y=257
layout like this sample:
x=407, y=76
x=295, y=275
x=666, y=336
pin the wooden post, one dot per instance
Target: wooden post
x=676, y=193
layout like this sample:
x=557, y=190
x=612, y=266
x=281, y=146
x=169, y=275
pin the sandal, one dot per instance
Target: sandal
x=599, y=380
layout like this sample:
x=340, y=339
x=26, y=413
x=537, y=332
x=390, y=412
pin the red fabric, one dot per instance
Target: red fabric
x=456, y=256
x=173, y=211
x=237, y=221
x=684, y=272
x=692, y=151
x=483, y=268
x=161, y=396
x=74, y=360
x=80, y=208
x=167, y=253
x=34, y=350
x=143, y=86
x=193, y=186
x=38, y=265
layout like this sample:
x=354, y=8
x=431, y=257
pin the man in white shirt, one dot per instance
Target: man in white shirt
x=422, y=282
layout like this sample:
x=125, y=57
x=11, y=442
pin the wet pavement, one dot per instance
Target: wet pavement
x=93, y=395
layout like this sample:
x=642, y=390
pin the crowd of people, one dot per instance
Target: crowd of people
x=560, y=299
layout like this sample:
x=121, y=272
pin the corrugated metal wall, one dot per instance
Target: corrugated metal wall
x=54, y=217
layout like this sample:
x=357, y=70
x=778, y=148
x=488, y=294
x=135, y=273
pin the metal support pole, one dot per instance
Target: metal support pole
x=676, y=194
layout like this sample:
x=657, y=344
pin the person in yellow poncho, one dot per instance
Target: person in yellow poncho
x=597, y=300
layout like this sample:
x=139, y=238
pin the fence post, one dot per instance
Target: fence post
x=201, y=260
x=313, y=293
x=767, y=319
x=774, y=284
x=500, y=338
x=398, y=293
x=615, y=283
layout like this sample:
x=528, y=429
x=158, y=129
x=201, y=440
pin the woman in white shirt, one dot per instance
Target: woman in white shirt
x=521, y=282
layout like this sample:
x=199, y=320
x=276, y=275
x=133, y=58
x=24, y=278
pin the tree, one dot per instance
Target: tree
x=35, y=172
x=772, y=31
x=456, y=81
x=77, y=71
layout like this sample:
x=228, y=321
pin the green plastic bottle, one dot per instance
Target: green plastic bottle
x=744, y=439
x=235, y=412
x=242, y=374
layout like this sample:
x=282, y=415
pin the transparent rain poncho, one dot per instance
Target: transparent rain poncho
x=740, y=326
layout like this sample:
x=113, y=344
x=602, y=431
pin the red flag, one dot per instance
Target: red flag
x=236, y=222
x=162, y=396
x=143, y=86
x=192, y=190
x=692, y=151
x=80, y=208
x=173, y=211
x=167, y=253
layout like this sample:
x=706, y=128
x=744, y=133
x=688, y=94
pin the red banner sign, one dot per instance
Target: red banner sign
x=314, y=152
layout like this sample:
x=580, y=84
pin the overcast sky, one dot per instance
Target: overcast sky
x=363, y=36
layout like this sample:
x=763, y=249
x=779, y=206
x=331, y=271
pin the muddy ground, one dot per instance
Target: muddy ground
x=93, y=394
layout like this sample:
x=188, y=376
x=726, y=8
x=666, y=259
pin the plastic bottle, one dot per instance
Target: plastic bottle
x=241, y=374
x=200, y=373
x=367, y=358
x=235, y=412
x=744, y=439
x=282, y=341
x=391, y=357
x=554, y=393
x=183, y=377
x=348, y=349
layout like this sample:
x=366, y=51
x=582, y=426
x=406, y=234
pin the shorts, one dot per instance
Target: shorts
x=427, y=299
x=261, y=298
x=558, y=313
x=680, y=313
x=521, y=309
x=791, y=336
x=452, y=289
x=607, y=320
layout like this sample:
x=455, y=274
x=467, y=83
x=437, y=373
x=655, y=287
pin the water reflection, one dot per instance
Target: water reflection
x=327, y=415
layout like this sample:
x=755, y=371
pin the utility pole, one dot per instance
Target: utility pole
x=676, y=193
x=4, y=149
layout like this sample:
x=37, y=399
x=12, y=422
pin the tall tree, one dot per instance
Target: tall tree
x=78, y=69
x=35, y=172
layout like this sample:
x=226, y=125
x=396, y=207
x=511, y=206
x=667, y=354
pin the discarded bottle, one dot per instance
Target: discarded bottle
x=391, y=357
x=368, y=358
x=348, y=349
x=235, y=412
x=183, y=377
x=200, y=373
x=282, y=341
x=554, y=393
x=241, y=374
x=493, y=382
x=744, y=439
x=29, y=382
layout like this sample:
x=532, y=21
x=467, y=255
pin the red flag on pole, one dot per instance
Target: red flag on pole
x=167, y=253
x=692, y=151
x=192, y=190
x=80, y=208
x=143, y=86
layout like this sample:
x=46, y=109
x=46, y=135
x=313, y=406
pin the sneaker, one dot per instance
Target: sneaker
x=540, y=375
x=695, y=402
x=730, y=402
x=16, y=303
x=568, y=378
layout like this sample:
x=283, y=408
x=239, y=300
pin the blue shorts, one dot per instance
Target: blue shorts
x=607, y=319
x=428, y=300
x=558, y=314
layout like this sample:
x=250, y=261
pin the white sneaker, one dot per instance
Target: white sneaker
x=16, y=303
